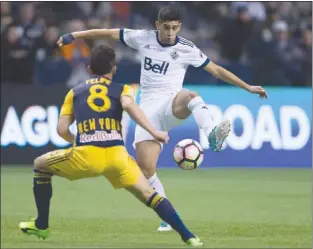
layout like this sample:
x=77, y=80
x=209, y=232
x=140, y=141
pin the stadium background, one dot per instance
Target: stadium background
x=264, y=43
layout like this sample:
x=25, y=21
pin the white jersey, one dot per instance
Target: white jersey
x=163, y=67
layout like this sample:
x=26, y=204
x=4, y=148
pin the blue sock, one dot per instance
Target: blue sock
x=166, y=212
x=42, y=192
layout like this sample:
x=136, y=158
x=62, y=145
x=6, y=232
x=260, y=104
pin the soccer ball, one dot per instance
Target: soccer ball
x=188, y=154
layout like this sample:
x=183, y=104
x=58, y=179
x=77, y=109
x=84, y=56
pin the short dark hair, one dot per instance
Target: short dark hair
x=102, y=60
x=169, y=14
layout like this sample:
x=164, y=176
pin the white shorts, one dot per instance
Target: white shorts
x=159, y=113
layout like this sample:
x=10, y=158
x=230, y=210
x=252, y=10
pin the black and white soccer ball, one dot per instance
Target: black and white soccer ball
x=188, y=154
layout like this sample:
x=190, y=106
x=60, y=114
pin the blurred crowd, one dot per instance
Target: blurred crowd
x=269, y=41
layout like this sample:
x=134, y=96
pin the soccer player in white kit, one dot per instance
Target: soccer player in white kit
x=165, y=58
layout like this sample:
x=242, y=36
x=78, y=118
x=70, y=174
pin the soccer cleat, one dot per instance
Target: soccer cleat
x=218, y=135
x=31, y=229
x=194, y=242
x=164, y=227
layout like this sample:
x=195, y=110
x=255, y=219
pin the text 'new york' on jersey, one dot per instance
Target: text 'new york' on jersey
x=96, y=107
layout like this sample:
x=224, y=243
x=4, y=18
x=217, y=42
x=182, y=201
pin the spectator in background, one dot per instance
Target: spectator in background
x=51, y=37
x=77, y=54
x=5, y=14
x=104, y=9
x=51, y=68
x=49, y=47
x=281, y=42
x=276, y=65
x=95, y=9
x=304, y=56
x=249, y=32
x=101, y=18
x=22, y=39
x=78, y=51
x=256, y=9
x=288, y=12
x=17, y=65
x=122, y=11
x=272, y=16
x=29, y=30
x=236, y=34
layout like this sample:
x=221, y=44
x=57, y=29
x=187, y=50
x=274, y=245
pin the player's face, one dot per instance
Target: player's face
x=168, y=31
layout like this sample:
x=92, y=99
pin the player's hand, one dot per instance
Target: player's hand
x=161, y=136
x=258, y=90
x=65, y=40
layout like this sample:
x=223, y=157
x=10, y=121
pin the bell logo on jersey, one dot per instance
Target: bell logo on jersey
x=156, y=68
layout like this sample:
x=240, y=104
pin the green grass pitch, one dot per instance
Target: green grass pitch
x=226, y=208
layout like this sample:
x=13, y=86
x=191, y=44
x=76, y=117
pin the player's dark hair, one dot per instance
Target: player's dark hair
x=169, y=14
x=102, y=60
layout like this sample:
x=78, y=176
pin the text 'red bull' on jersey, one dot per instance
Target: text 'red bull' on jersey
x=98, y=112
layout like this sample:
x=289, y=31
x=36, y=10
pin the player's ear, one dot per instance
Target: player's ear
x=179, y=26
x=114, y=69
x=157, y=24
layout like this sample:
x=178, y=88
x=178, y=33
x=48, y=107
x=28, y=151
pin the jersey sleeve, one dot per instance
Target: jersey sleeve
x=197, y=59
x=68, y=105
x=128, y=91
x=131, y=37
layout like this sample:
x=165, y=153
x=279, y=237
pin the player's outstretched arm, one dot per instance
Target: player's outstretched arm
x=140, y=118
x=89, y=34
x=63, y=128
x=221, y=73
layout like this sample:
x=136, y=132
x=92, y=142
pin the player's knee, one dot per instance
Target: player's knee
x=148, y=171
x=142, y=190
x=147, y=167
x=40, y=163
x=146, y=163
x=188, y=96
x=192, y=95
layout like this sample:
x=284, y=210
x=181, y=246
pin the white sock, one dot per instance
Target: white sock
x=157, y=185
x=201, y=114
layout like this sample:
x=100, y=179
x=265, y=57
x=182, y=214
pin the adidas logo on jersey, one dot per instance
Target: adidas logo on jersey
x=156, y=68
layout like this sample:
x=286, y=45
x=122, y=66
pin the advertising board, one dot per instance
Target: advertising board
x=265, y=133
